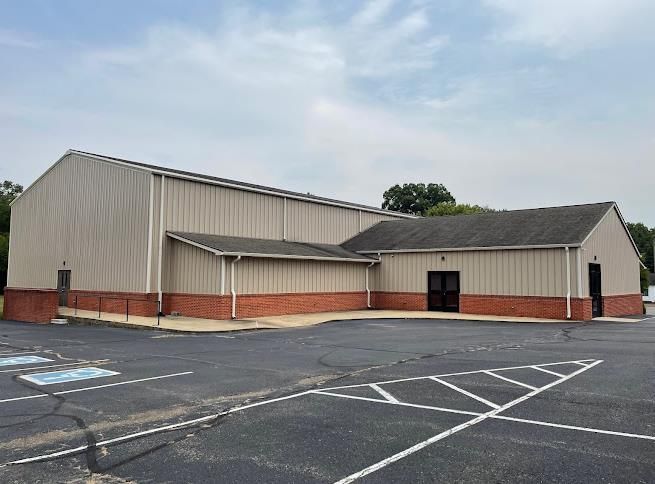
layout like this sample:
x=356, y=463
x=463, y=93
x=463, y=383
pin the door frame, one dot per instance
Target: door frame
x=443, y=307
x=63, y=292
x=600, y=311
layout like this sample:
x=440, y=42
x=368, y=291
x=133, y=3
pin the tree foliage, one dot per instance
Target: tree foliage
x=415, y=198
x=643, y=237
x=8, y=191
x=456, y=209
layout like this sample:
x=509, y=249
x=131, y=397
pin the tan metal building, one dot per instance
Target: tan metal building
x=95, y=230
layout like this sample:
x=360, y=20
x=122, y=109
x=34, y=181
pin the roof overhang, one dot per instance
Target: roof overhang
x=268, y=256
x=463, y=249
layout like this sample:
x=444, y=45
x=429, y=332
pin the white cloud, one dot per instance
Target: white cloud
x=296, y=103
x=9, y=38
x=571, y=26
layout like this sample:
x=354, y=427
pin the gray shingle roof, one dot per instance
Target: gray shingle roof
x=280, y=191
x=532, y=227
x=279, y=248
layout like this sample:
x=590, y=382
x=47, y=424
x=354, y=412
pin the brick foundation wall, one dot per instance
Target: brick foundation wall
x=30, y=305
x=140, y=304
x=255, y=305
x=623, y=305
x=409, y=301
x=525, y=306
x=207, y=306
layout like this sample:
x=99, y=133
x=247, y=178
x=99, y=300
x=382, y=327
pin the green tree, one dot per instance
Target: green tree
x=415, y=198
x=456, y=209
x=8, y=191
x=643, y=237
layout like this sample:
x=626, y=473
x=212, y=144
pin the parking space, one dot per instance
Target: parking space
x=379, y=401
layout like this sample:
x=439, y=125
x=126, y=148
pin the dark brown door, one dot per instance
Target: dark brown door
x=595, y=290
x=63, y=286
x=443, y=291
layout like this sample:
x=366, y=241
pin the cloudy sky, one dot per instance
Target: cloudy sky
x=510, y=103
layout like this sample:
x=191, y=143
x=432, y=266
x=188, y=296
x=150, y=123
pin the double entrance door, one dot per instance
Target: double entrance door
x=443, y=291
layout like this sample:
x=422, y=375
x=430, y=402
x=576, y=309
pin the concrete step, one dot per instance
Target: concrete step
x=59, y=321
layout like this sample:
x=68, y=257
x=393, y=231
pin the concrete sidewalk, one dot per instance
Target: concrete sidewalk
x=197, y=325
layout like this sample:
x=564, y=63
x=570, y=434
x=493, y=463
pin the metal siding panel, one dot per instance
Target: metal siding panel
x=92, y=215
x=618, y=259
x=271, y=276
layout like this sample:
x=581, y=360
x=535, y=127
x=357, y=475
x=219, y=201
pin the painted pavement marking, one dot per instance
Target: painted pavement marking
x=464, y=392
x=482, y=416
x=32, y=368
x=509, y=380
x=421, y=445
x=384, y=393
x=22, y=360
x=77, y=390
x=65, y=376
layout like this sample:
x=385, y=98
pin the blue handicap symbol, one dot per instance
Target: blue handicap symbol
x=22, y=360
x=52, y=377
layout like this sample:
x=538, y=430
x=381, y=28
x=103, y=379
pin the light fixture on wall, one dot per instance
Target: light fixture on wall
x=443, y=257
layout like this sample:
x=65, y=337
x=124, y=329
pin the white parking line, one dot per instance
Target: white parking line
x=65, y=392
x=155, y=430
x=421, y=445
x=515, y=382
x=575, y=427
x=461, y=373
x=384, y=393
x=468, y=394
x=86, y=362
x=402, y=404
x=558, y=375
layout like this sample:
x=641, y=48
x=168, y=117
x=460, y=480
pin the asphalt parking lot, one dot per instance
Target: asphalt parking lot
x=365, y=401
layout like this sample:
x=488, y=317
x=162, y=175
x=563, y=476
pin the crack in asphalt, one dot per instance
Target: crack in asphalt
x=91, y=457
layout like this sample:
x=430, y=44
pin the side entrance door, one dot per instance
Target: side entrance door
x=63, y=286
x=443, y=291
x=595, y=290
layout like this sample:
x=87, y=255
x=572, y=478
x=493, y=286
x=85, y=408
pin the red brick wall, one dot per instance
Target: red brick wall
x=140, y=304
x=254, y=305
x=31, y=305
x=206, y=306
x=409, y=301
x=527, y=306
x=622, y=305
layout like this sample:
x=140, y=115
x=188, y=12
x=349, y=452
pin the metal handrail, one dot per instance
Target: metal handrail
x=127, y=304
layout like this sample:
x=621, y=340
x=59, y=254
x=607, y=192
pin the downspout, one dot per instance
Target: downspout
x=284, y=221
x=232, y=290
x=568, y=283
x=368, y=289
x=161, y=242
x=151, y=215
x=578, y=260
x=222, y=275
